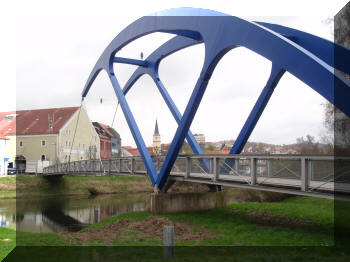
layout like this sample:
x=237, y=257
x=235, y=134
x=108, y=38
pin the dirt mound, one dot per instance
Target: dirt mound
x=152, y=226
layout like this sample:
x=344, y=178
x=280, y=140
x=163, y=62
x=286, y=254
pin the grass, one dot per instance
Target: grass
x=7, y=241
x=7, y=179
x=233, y=226
x=316, y=210
x=7, y=194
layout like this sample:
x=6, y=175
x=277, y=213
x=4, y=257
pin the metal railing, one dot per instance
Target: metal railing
x=304, y=173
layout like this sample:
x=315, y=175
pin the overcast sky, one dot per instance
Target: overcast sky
x=56, y=44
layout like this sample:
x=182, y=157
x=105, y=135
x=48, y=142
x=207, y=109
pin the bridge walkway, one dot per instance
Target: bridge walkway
x=294, y=174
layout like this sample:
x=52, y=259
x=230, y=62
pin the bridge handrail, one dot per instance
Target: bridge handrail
x=67, y=167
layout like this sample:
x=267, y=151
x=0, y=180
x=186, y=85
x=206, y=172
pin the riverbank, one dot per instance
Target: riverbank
x=297, y=221
x=20, y=187
x=32, y=186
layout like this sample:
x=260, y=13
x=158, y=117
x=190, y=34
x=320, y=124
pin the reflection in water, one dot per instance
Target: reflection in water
x=67, y=213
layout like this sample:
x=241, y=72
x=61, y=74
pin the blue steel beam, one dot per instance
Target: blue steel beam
x=171, y=46
x=177, y=115
x=184, y=126
x=321, y=48
x=151, y=170
x=130, y=61
x=174, y=44
x=220, y=33
x=254, y=116
x=275, y=76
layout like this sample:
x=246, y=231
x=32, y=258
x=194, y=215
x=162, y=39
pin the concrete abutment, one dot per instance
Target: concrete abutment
x=186, y=202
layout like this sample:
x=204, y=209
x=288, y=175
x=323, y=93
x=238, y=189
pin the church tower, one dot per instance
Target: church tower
x=156, y=141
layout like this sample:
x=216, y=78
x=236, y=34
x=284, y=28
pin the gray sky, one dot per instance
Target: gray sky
x=56, y=44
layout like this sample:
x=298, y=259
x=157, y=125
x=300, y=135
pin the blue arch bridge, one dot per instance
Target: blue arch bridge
x=307, y=57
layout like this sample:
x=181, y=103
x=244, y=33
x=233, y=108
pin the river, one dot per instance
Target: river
x=67, y=213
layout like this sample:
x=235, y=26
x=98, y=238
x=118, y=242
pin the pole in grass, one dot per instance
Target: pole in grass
x=168, y=241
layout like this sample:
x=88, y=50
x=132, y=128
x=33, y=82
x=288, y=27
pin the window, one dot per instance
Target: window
x=43, y=143
x=66, y=143
x=43, y=158
x=20, y=143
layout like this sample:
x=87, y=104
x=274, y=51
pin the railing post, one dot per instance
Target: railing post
x=253, y=171
x=269, y=167
x=132, y=171
x=237, y=165
x=188, y=167
x=120, y=165
x=109, y=165
x=216, y=168
x=310, y=169
x=304, y=174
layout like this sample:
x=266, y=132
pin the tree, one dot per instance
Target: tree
x=336, y=122
x=308, y=145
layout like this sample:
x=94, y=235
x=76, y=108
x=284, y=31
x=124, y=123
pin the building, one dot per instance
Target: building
x=200, y=138
x=110, y=142
x=156, y=141
x=128, y=151
x=3, y=154
x=116, y=142
x=53, y=135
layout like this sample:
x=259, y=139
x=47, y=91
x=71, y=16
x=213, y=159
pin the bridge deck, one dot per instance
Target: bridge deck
x=300, y=175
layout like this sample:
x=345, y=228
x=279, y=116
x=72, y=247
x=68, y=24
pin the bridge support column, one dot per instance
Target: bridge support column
x=186, y=202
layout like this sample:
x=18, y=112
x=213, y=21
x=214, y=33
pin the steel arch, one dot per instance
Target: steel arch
x=307, y=57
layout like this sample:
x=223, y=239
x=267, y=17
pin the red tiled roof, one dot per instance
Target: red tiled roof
x=135, y=152
x=106, y=128
x=103, y=135
x=3, y=137
x=35, y=122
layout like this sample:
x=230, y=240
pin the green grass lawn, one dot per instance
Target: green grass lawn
x=7, y=241
x=297, y=221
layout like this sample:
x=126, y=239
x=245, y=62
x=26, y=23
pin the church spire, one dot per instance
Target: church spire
x=157, y=146
x=156, y=130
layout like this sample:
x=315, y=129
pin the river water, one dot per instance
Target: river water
x=66, y=213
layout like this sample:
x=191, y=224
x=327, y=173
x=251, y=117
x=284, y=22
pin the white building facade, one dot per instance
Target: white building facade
x=3, y=155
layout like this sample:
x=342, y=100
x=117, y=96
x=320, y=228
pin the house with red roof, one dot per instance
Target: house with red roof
x=52, y=134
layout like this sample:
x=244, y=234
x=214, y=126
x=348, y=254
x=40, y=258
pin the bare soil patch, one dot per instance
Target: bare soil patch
x=150, y=227
x=274, y=220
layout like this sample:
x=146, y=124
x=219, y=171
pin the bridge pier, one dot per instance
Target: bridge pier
x=186, y=202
